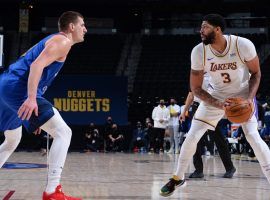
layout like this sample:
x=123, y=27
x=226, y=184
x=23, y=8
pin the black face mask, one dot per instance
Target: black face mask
x=162, y=104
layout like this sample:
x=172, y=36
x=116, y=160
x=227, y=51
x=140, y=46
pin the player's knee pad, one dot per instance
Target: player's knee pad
x=12, y=138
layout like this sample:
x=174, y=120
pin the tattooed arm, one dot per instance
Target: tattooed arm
x=196, y=81
x=254, y=81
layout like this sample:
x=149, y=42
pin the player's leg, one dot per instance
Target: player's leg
x=61, y=134
x=12, y=139
x=50, y=121
x=12, y=127
x=197, y=161
x=260, y=148
x=200, y=123
x=188, y=149
x=197, y=130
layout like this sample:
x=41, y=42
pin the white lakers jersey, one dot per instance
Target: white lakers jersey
x=228, y=73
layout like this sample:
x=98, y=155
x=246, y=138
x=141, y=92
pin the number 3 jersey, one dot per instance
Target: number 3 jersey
x=228, y=73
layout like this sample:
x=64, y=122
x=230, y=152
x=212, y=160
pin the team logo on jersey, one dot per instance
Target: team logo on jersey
x=223, y=66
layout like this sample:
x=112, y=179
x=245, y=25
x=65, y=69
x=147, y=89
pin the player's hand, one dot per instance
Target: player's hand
x=250, y=101
x=27, y=108
x=227, y=103
x=37, y=131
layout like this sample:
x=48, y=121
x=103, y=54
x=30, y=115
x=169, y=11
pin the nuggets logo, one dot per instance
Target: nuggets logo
x=82, y=101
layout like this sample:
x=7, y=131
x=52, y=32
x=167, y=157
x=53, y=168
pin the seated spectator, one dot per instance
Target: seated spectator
x=148, y=131
x=115, y=140
x=138, y=140
x=147, y=120
x=92, y=139
x=107, y=128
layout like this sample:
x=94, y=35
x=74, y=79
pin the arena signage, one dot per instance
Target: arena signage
x=84, y=99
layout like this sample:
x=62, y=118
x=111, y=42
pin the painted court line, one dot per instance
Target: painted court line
x=7, y=197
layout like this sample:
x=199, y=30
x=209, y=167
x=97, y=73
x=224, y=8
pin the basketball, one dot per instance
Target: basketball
x=239, y=110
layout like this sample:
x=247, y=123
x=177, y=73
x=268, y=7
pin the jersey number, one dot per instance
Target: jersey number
x=226, y=77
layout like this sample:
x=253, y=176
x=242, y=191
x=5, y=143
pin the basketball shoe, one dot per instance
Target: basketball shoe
x=169, y=187
x=58, y=195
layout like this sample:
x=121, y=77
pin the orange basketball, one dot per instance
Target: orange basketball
x=239, y=110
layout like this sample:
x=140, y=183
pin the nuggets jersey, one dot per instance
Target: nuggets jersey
x=20, y=69
x=228, y=73
x=13, y=90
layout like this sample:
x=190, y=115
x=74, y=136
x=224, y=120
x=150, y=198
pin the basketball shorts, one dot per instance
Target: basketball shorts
x=9, y=119
x=211, y=115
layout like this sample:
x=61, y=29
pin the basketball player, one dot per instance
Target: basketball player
x=227, y=59
x=22, y=86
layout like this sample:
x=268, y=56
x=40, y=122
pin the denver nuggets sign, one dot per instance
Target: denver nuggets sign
x=84, y=99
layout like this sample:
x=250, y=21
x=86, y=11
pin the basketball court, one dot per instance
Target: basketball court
x=131, y=176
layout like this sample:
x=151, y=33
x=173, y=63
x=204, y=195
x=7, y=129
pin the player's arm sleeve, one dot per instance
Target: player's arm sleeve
x=197, y=57
x=246, y=49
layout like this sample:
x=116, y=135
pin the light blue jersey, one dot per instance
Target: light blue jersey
x=13, y=89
